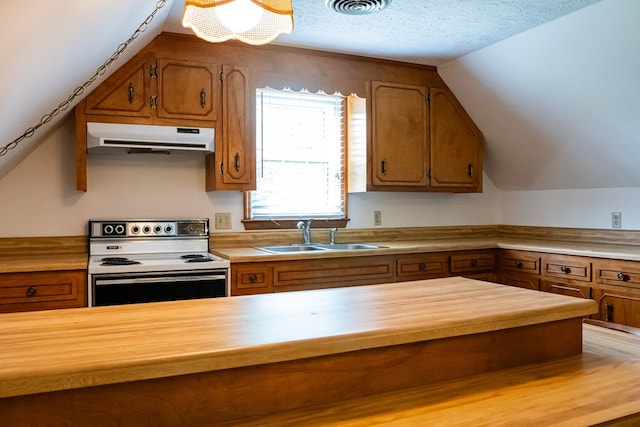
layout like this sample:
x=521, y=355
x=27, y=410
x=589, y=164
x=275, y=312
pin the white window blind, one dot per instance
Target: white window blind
x=300, y=140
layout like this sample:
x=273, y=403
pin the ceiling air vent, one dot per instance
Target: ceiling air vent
x=357, y=7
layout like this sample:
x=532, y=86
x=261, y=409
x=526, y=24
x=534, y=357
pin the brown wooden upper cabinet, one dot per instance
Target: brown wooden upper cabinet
x=232, y=165
x=421, y=139
x=160, y=88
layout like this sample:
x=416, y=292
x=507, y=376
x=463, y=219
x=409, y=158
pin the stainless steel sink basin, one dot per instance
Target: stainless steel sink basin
x=347, y=246
x=288, y=249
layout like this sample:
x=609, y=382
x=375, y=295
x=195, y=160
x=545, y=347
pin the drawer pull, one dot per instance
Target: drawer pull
x=565, y=269
x=621, y=276
x=253, y=278
x=422, y=266
x=32, y=291
x=518, y=263
x=474, y=263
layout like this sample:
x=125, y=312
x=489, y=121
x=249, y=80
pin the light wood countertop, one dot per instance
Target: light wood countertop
x=62, y=349
x=26, y=263
x=595, y=250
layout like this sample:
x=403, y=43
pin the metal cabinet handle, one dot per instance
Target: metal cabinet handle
x=422, y=266
x=621, y=276
x=253, y=278
x=474, y=263
x=470, y=169
x=609, y=314
x=32, y=291
x=236, y=162
x=203, y=98
x=383, y=167
x=565, y=269
x=130, y=97
x=518, y=263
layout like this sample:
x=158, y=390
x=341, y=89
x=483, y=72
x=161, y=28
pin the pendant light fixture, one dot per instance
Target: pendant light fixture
x=251, y=21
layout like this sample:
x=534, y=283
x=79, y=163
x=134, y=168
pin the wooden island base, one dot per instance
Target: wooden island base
x=349, y=343
x=225, y=395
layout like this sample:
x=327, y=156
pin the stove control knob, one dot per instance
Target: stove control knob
x=168, y=229
x=157, y=229
x=146, y=229
x=135, y=229
x=108, y=229
x=119, y=229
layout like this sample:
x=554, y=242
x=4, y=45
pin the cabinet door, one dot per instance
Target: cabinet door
x=618, y=304
x=233, y=165
x=398, y=123
x=187, y=90
x=125, y=93
x=251, y=278
x=456, y=145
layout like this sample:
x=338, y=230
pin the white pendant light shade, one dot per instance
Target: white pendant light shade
x=251, y=21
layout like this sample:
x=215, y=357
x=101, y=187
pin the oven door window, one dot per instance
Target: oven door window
x=115, y=289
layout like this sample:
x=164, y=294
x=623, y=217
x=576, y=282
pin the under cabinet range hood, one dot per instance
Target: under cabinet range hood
x=148, y=138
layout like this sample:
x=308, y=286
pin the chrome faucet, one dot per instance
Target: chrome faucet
x=332, y=236
x=305, y=227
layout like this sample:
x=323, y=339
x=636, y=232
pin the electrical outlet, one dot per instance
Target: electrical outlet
x=616, y=219
x=377, y=218
x=223, y=220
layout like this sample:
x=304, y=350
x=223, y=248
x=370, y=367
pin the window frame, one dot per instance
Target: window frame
x=318, y=222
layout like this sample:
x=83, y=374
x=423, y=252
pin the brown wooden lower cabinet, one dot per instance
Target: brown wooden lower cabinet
x=570, y=288
x=618, y=304
x=521, y=280
x=422, y=266
x=43, y=290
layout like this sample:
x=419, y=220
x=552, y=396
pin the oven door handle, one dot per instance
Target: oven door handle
x=157, y=279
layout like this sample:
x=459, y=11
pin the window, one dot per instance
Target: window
x=300, y=156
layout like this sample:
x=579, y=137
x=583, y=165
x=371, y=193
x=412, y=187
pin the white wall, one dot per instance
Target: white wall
x=38, y=197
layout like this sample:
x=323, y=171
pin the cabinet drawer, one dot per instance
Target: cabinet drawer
x=418, y=266
x=567, y=267
x=326, y=273
x=520, y=280
x=620, y=273
x=251, y=279
x=570, y=289
x=520, y=261
x=42, y=290
x=472, y=262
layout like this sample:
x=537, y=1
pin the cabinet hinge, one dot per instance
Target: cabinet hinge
x=220, y=75
x=427, y=97
x=153, y=71
x=428, y=173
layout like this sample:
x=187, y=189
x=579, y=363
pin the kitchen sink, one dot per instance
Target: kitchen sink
x=294, y=248
x=347, y=246
x=287, y=249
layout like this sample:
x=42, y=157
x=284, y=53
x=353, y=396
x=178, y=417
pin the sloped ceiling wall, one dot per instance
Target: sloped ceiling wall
x=559, y=104
x=49, y=48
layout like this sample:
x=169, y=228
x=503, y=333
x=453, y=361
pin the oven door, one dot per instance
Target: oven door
x=132, y=288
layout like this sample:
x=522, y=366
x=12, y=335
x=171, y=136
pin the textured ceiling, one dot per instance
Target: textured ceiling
x=420, y=31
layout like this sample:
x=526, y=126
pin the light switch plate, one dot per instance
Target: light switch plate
x=223, y=220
